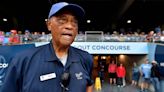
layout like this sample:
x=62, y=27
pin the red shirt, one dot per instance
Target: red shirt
x=112, y=68
x=121, y=71
x=14, y=39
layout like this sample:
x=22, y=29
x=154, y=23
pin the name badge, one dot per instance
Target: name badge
x=47, y=76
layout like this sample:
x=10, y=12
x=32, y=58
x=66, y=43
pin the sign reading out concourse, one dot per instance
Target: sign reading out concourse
x=113, y=47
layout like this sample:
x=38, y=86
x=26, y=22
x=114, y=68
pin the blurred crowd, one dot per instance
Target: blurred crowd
x=18, y=37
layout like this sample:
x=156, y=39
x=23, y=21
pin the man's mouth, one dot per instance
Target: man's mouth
x=67, y=34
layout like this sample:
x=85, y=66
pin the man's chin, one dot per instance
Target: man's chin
x=66, y=43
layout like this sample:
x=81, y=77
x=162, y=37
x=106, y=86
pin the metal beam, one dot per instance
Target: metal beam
x=125, y=7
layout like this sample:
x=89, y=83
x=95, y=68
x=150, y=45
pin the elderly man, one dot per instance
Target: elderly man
x=57, y=66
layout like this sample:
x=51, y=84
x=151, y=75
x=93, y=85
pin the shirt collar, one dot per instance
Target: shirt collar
x=51, y=56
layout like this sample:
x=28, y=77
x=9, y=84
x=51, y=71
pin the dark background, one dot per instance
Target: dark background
x=105, y=15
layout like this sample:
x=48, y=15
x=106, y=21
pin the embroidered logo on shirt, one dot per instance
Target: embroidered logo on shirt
x=79, y=75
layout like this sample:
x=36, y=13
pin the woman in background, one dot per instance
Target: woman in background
x=135, y=74
x=112, y=72
x=121, y=72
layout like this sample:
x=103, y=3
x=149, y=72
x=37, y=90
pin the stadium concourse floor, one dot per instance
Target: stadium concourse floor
x=106, y=87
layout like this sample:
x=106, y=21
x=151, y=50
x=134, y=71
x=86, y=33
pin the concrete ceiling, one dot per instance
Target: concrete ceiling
x=30, y=14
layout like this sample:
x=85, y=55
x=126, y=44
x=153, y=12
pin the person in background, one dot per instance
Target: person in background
x=135, y=74
x=56, y=66
x=155, y=76
x=6, y=39
x=36, y=36
x=2, y=36
x=121, y=72
x=112, y=72
x=14, y=37
x=157, y=29
x=27, y=38
x=145, y=72
x=101, y=72
x=150, y=36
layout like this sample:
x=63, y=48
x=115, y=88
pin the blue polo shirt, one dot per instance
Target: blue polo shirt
x=39, y=70
x=146, y=70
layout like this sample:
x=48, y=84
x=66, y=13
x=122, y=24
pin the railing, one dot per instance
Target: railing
x=95, y=36
x=109, y=38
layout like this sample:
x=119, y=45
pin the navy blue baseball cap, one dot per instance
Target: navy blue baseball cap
x=76, y=9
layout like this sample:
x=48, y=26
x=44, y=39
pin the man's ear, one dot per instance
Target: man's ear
x=48, y=23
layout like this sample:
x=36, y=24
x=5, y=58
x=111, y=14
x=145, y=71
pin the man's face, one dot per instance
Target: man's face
x=146, y=61
x=64, y=28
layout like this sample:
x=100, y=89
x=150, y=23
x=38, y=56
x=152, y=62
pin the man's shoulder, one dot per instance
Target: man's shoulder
x=31, y=51
x=79, y=51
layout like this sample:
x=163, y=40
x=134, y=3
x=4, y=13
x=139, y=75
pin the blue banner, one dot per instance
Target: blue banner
x=6, y=54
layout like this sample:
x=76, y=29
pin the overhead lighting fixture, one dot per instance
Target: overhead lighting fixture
x=45, y=19
x=88, y=21
x=4, y=19
x=129, y=21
